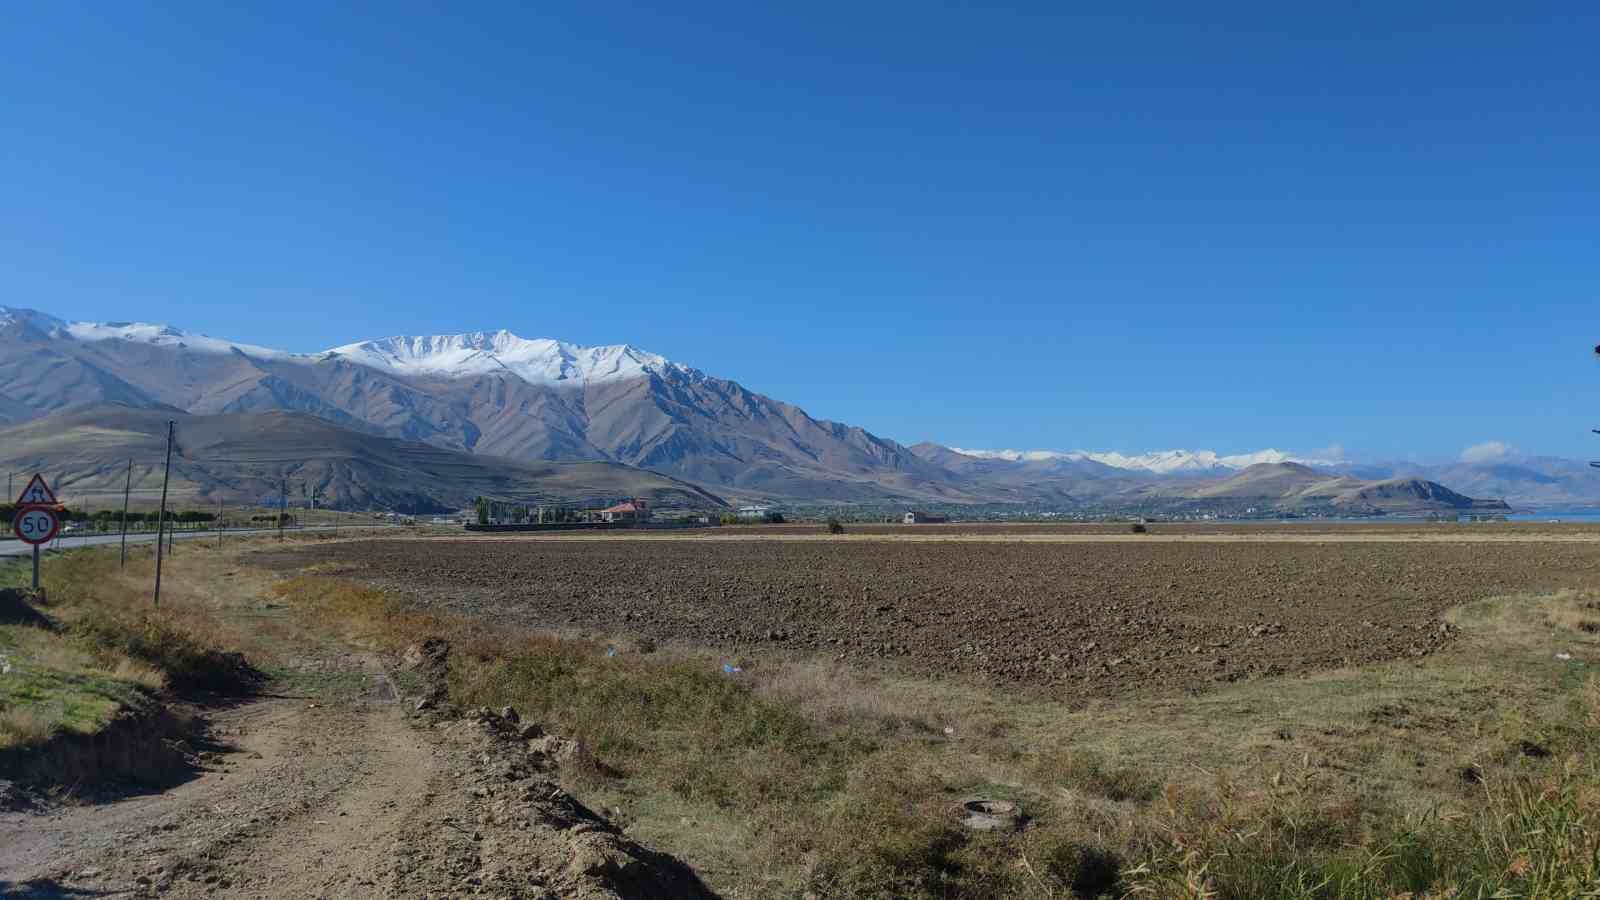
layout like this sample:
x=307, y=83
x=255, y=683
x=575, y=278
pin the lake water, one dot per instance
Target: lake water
x=1558, y=515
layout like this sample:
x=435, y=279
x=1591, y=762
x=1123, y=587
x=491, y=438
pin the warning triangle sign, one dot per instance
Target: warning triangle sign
x=37, y=493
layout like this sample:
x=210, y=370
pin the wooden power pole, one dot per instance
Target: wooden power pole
x=161, y=517
x=127, y=487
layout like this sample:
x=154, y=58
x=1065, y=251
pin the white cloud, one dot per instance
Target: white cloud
x=1488, y=451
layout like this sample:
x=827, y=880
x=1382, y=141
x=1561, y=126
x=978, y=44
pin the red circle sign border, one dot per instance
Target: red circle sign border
x=55, y=524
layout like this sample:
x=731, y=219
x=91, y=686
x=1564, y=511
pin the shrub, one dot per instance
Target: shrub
x=1138, y=528
x=835, y=526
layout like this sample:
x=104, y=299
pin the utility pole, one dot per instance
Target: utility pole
x=283, y=508
x=219, y=520
x=127, y=486
x=161, y=517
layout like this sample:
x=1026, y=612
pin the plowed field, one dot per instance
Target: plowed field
x=1097, y=618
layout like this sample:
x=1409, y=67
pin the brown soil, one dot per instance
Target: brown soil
x=1089, y=618
x=1331, y=527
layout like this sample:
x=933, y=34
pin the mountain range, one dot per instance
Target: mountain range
x=91, y=453
x=504, y=400
x=491, y=393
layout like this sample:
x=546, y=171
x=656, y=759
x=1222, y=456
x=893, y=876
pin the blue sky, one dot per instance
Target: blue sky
x=1114, y=226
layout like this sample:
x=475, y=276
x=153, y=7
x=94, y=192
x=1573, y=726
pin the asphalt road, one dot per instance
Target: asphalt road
x=74, y=541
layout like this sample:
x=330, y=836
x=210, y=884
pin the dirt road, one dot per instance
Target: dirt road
x=292, y=783
x=342, y=793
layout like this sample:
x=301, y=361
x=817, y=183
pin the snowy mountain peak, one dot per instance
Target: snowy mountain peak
x=137, y=332
x=1161, y=462
x=42, y=321
x=537, y=360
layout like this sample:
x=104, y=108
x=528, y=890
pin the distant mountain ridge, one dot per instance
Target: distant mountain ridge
x=1161, y=462
x=499, y=395
x=1295, y=487
x=482, y=392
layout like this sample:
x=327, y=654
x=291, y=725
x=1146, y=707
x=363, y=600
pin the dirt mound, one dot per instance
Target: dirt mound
x=428, y=663
x=142, y=749
x=525, y=833
x=526, y=836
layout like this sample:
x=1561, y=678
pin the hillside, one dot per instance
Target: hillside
x=552, y=405
x=1299, y=488
x=1265, y=487
x=1539, y=481
x=483, y=392
x=245, y=457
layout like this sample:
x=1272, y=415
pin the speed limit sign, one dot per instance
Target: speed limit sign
x=36, y=525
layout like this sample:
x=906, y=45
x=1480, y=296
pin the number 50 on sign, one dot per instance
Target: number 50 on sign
x=36, y=525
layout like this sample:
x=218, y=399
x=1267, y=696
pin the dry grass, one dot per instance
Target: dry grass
x=831, y=694
x=109, y=649
x=45, y=649
x=52, y=683
x=34, y=723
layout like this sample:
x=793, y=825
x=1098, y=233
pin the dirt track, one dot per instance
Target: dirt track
x=341, y=797
x=1091, y=618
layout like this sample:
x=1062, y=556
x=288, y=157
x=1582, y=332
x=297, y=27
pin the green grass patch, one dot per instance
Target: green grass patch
x=49, y=685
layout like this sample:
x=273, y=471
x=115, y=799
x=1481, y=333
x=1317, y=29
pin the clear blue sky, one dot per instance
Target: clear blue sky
x=1223, y=225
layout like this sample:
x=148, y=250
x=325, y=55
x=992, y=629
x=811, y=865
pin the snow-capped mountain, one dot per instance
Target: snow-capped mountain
x=140, y=332
x=529, y=399
x=1161, y=462
x=488, y=392
x=536, y=360
x=539, y=361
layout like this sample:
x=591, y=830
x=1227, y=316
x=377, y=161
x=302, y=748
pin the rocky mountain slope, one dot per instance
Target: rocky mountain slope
x=485, y=392
x=1269, y=486
x=246, y=457
x=1536, y=481
x=1295, y=487
x=502, y=397
x=1161, y=462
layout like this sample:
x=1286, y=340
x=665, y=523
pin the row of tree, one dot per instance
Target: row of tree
x=8, y=512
